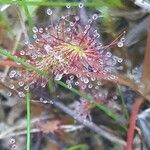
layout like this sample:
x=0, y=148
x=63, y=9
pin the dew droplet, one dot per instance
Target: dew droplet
x=83, y=87
x=21, y=83
x=21, y=94
x=68, y=5
x=71, y=24
x=71, y=77
x=86, y=80
x=96, y=87
x=34, y=36
x=119, y=60
x=35, y=29
x=93, y=78
x=13, y=147
x=11, y=86
x=12, y=140
x=77, y=83
x=58, y=76
x=51, y=102
x=41, y=30
x=22, y=52
x=90, y=86
x=108, y=54
x=9, y=94
x=120, y=44
x=122, y=39
x=26, y=87
x=43, y=84
x=12, y=73
x=95, y=16
x=49, y=11
x=80, y=5
x=69, y=86
x=45, y=101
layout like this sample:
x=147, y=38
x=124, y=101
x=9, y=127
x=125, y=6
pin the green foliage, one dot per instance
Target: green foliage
x=28, y=119
x=78, y=147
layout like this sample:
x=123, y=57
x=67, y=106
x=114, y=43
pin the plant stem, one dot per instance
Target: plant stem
x=28, y=119
x=132, y=122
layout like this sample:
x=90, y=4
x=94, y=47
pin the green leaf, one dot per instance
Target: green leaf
x=78, y=147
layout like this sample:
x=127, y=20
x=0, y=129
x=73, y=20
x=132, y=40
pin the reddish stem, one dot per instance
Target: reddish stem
x=132, y=123
x=9, y=63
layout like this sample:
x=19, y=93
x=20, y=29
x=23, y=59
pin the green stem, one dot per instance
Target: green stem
x=28, y=119
x=60, y=4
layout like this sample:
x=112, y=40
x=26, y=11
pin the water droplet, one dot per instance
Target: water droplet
x=93, y=78
x=115, y=97
x=22, y=52
x=83, y=87
x=12, y=140
x=122, y=39
x=90, y=86
x=26, y=87
x=43, y=84
x=12, y=73
x=58, y=76
x=11, y=86
x=51, y=102
x=21, y=94
x=95, y=16
x=68, y=5
x=77, y=83
x=35, y=29
x=86, y=80
x=13, y=147
x=71, y=77
x=21, y=83
x=45, y=101
x=89, y=21
x=41, y=30
x=9, y=94
x=49, y=11
x=119, y=60
x=69, y=86
x=34, y=36
x=71, y=24
x=108, y=54
x=96, y=87
x=80, y=5
x=120, y=44
x=99, y=83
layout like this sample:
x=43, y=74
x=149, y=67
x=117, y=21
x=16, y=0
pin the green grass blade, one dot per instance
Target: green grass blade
x=29, y=18
x=28, y=120
x=123, y=102
x=61, y=4
x=78, y=147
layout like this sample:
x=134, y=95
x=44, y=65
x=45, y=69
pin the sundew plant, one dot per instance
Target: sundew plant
x=65, y=62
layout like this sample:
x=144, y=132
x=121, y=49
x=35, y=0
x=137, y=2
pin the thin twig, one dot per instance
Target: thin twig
x=132, y=122
x=85, y=122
